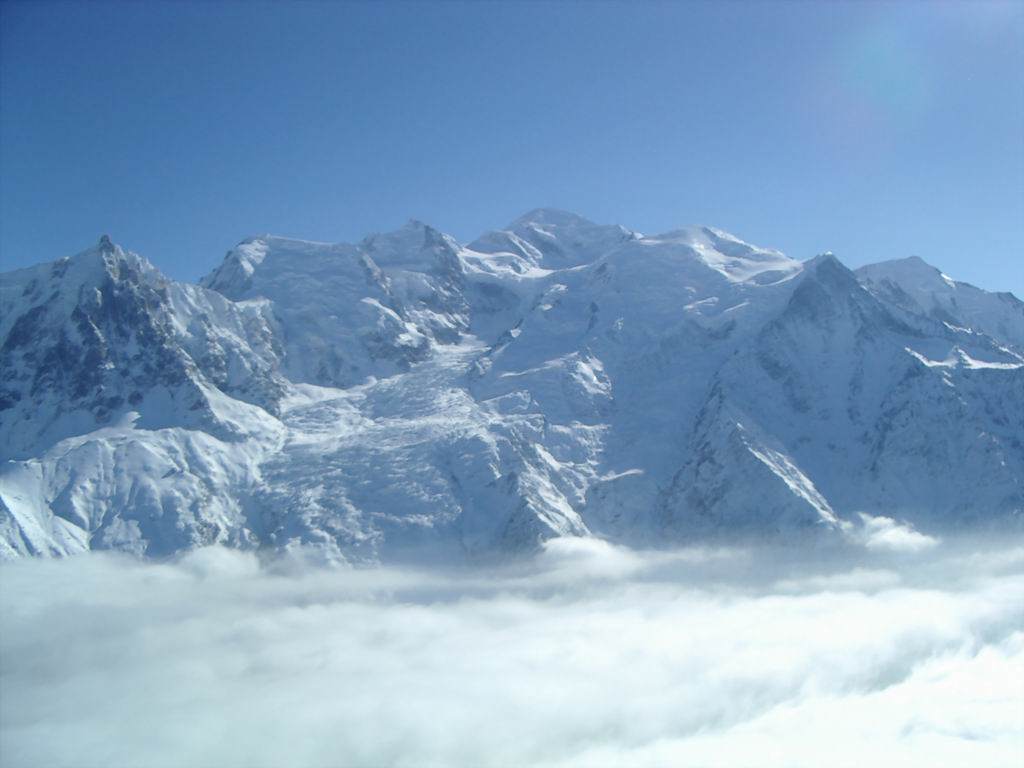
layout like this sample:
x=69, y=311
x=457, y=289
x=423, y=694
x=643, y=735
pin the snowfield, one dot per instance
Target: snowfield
x=589, y=654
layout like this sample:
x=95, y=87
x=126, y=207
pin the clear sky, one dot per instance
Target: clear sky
x=873, y=130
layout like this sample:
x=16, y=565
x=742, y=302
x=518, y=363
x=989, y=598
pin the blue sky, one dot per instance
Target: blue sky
x=873, y=130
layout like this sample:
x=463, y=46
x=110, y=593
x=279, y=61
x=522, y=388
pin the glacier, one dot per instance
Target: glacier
x=414, y=398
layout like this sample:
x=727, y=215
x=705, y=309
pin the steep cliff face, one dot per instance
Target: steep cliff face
x=886, y=416
x=90, y=338
x=410, y=397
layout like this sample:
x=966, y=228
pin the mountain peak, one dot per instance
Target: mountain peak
x=417, y=225
x=105, y=260
x=910, y=263
x=733, y=258
x=414, y=244
x=827, y=269
x=823, y=259
x=827, y=289
x=551, y=217
x=911, y=273
x=553, y=238
x=917, y=286
x=700, y=237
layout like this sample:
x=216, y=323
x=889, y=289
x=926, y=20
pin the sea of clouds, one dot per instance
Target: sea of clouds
x=898, y=652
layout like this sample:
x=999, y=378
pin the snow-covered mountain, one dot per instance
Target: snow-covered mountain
x=918, y=288
x=410, y=397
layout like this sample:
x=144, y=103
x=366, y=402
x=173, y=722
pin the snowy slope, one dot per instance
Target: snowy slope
x=845, y=386
x=553, y=239
x=332, y=308
x=919, y=288
x=410, y=397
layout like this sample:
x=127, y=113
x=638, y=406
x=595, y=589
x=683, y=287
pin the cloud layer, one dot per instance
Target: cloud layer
x=590, y=655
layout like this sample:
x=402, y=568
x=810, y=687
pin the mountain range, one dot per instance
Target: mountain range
x=411, y=397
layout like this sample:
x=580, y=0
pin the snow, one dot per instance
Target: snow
x=959, y=357
x=409, y=397
x=949, y=362
x=915, y=286
x=731, y=257
x=976, y=364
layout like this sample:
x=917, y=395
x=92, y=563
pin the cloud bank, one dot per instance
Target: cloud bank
x=589, y=655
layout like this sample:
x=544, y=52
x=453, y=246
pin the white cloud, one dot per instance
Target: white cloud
x=590, y=655
x=592, y=558
x=884, y=533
